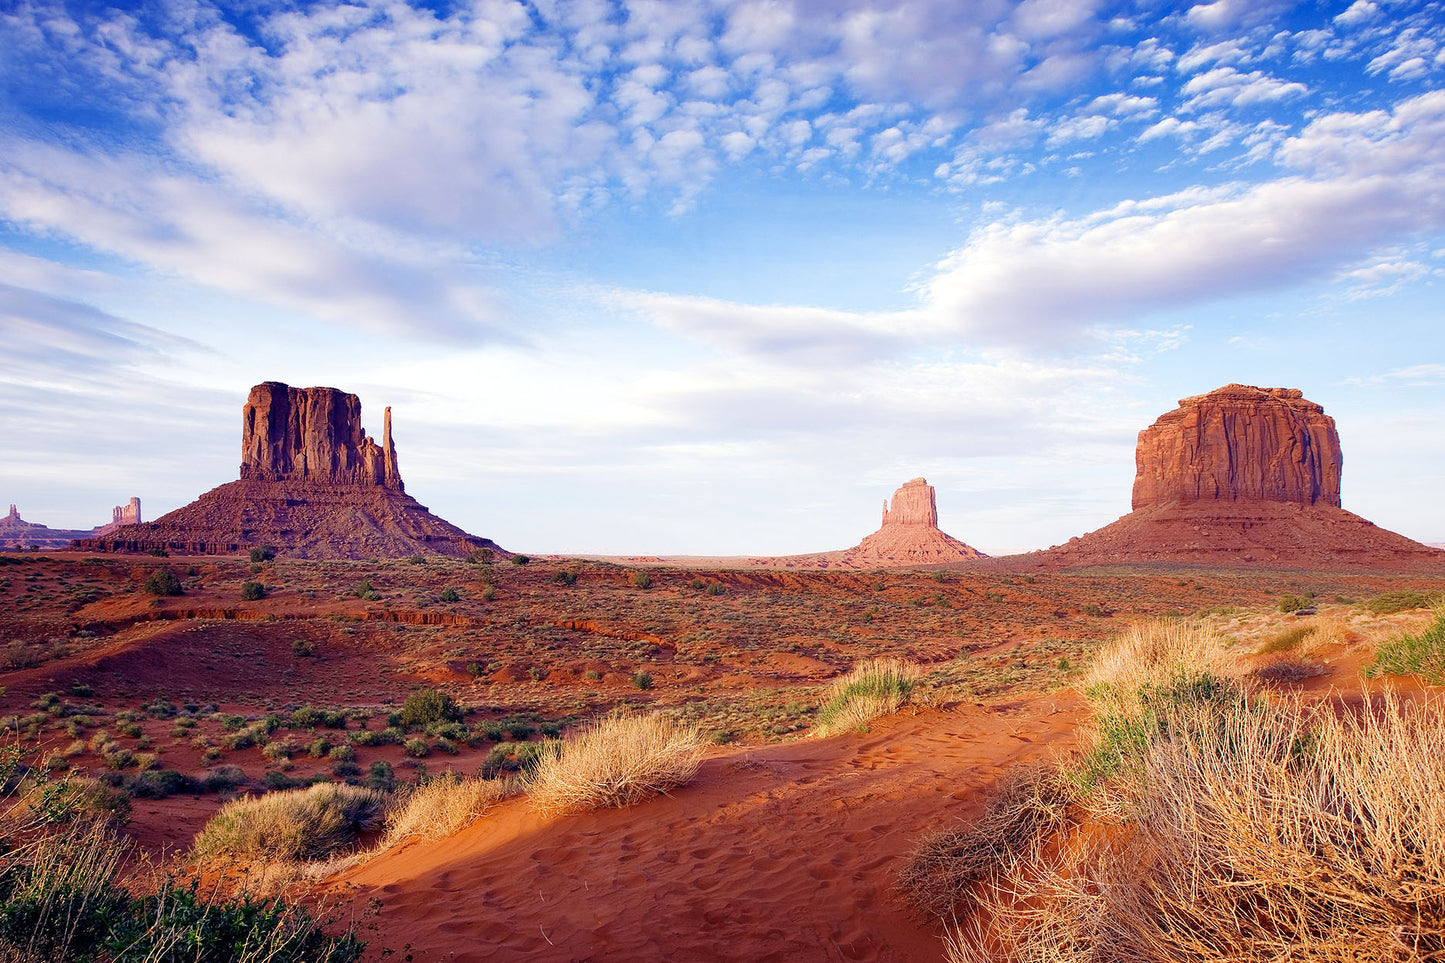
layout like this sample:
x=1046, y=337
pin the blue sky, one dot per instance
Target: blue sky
x=715, y=277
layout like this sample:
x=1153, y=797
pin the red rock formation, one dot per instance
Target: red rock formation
x=1241, y=476
x=312, y=484
x=1240, y=443
x=913, y=504
x=909, y=534
x=313, y=434
x=128, y=514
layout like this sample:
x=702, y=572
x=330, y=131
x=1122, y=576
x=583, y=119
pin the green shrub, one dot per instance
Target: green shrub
x=449, y=595
x=366, y=591
x=163, y=582
x=159, y=784
x=642, y=679
x=564, y=578
x=1292, y=603
x=426, y=706
x=252, y=591
x=874, y=687
x=264, y=553
x=521, y=559
x=716, y=588
x=642, y=580
x=1422, y=654
x=1389, y=603
x=417, y=748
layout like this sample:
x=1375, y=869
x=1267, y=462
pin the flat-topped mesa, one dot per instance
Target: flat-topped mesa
x=913, y=504
x=313, y=434
x=1240, y=443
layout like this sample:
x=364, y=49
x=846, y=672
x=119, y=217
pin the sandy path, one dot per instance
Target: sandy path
x=780, y=853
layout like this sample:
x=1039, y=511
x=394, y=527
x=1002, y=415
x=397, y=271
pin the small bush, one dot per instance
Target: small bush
x=159, y=784
x=449, y=595
x=366, y=591
x=299, y=825
x=426, y=706
x=1292, y=603
x=1030, y=804
x=564, y=578
x=252, y=591
x=642, y=580
x=442, y=806
x=1389, y=603
x=163, y=582
x=617, y=761
x=264, y=553
x=417, y=748
x=873, y=688
x=521, y=559
x=716, y=588
x=1421, y=654
x=642, y=679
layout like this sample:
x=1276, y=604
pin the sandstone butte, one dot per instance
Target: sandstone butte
x=1241, y=476
x=909, y=534
x=312, y=484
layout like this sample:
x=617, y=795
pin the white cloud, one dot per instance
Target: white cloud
x=1361, y=11
x=1227, y=86
x=1365, y=179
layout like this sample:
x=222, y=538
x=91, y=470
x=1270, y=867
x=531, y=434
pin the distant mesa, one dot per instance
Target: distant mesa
x=16, y=532
x=312, y=484
x=1241, y=476
x=909, y=533
x=907, y=536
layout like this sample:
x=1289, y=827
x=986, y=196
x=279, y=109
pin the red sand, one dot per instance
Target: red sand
x=780, y=853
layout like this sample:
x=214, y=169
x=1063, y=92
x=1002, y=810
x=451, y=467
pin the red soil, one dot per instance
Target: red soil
x=780, y=853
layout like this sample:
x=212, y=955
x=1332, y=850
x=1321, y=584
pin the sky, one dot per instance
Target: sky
x=708, y=277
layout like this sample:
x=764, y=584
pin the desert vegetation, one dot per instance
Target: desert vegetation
x=1207, y=822
x=617, y=761
x=872, y=688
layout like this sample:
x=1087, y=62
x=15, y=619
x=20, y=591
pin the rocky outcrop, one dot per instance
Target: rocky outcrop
x=312, y=485
x=1240, y=477
x=315, y=435
x=909, y=534
x=1240, y=443
x=913, y=504
x=128, y=514
x=17, y=533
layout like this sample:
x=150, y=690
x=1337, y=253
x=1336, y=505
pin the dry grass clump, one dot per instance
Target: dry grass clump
x=872, y=688
x=1030, y=805
x=617, y=761
x=300, y=824
x=443, y=806
x=1253, y=831
x=1152, y=654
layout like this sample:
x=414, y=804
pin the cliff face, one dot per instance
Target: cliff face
x=313, y=434
x=1240, y=443
x=913, y=504
x=312, y=484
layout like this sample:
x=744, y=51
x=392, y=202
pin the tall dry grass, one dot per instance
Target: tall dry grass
x=1246, y=830
x=443, y=806
x=617, y=761
x=300, y=824
x=872, y=688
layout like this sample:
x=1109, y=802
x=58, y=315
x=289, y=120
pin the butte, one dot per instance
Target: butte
x=909, y=534
x=1242, y=476
x=312, y=485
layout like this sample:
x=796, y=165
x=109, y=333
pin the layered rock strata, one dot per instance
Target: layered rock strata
x=313, y=484
x=1241, y=476
x=1240, y=443
x=17, y=533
